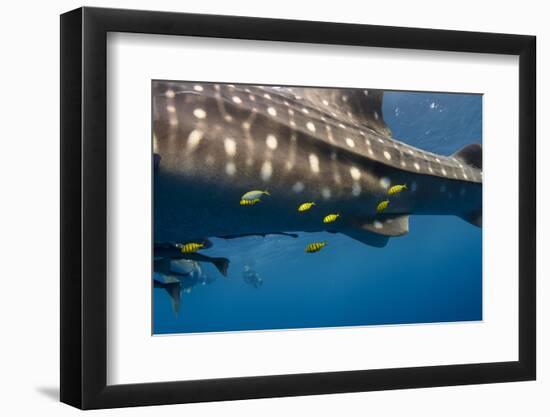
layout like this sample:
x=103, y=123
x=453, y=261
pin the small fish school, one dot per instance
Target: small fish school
x=253, y=197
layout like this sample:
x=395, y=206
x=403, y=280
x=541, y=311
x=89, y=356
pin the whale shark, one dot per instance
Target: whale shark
x=213, y=142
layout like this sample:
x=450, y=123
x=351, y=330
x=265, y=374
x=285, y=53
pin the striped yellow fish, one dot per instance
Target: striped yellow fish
x=249, y=202
x=191, y=247
x=254, y=194
x=315, y=246
x=306, y=206
x=396, y=189
x=331, y=218
x=383, y=205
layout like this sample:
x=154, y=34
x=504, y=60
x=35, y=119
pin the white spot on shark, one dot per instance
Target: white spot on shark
x=310, y=126
x=378, y=225
x=387, y=155
x=350, y=142
x=314, y=163
x=267, y=96
x=251, y=97
x=267, y=170
x=194, y=139
x=376, y=116
x=230, y=146
x=356, y=189
x=325, y=102
x=416, y=166
x=272, y=111
x=385, y=182
x=325, y=192
x=443, y=171
x=298, y=187
x=236, y=99
x=198, y=87
x=170, y=93
x=355, y=173
x=305, y=111
x=171, y=109
x=199, y=113
x=271, y=142
x=230, y=168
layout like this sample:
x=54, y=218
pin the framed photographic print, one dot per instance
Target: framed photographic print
x=258, y=208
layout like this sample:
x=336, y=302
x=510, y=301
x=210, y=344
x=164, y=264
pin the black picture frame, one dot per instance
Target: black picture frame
x=84, y=207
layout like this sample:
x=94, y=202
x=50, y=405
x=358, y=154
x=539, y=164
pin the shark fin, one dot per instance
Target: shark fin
x=471, y=155
x=222, y=264
x=366, y=237
x=475, y=218
x=388, y=225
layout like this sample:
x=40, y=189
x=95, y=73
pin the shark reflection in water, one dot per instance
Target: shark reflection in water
x=213, y=143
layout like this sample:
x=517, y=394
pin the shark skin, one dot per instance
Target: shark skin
x=214, y=142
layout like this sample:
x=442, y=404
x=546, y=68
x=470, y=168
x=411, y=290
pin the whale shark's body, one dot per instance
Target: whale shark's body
x=214, y=142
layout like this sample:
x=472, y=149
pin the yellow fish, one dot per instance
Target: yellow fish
x=249, y=202
x=396, y=189
x=315, y=246
x=383, y=205
x=331, y=218
x=191, y=247
x=306, y=206
x=254, y=194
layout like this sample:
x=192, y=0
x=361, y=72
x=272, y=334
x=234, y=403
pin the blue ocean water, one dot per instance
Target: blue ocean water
x=433, y=274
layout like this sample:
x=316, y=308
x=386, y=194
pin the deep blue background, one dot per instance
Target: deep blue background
x=433, y=274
